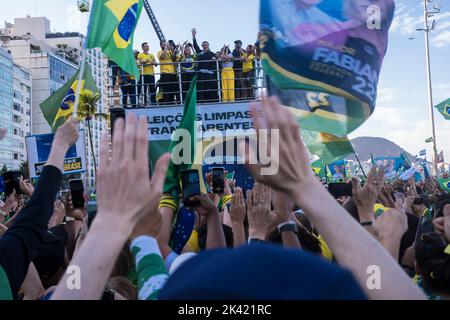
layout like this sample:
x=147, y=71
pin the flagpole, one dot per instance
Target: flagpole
x=427, y=29
x=360, y=165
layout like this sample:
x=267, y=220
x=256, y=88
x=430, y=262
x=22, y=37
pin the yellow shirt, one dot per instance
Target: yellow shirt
x=166, y=68
x=145, y=60
x=247, y=64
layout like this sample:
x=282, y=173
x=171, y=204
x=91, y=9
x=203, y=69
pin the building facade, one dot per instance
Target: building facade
x=52, y=59
x=15, y=115
x=22, y=101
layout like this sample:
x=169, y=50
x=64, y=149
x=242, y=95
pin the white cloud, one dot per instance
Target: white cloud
x=386, y=95
x=408, y=20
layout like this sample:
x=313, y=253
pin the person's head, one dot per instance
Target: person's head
x=145, y=47
x=124, y=263
x=337, y=169
x=205, y=45
x=238, y=44
x=218, y=55
x=123, y=287
x=433, y=262
x=220, y=277
x=187, y=51
x=163, y=45
x=249, y=48
x=172, y=45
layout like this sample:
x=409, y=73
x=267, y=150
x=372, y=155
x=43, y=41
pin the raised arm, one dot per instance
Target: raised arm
x=354, y=248
x=194, y=41
x=238, y=212
x=215, y=238
x=124, y=194
x=22, y=241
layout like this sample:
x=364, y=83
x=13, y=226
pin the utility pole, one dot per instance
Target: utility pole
x=429, y=13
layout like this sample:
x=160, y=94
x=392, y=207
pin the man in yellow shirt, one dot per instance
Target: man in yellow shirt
x=248, y=71
x=146, y=85
x=169, y=81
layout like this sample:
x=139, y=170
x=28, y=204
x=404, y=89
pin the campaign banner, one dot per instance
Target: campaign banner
x=163, y=122
x=229, y=121
x=392, y=165
x=324, y=58
x=38, y=149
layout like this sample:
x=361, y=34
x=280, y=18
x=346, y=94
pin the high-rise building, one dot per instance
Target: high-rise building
x=15, y=105
x=53, y=58
x=22, y=101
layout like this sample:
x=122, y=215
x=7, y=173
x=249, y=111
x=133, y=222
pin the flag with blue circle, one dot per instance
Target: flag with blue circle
x=111, y=28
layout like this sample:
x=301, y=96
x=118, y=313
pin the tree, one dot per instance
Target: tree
x=87, y=110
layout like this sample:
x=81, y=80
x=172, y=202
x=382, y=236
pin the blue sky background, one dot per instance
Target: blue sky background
x=402, y=109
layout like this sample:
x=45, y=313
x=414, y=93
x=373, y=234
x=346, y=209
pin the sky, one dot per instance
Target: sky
x=401, y=114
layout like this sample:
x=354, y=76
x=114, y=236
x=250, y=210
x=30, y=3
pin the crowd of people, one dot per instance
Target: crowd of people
x=223, y=76
x=287, y=238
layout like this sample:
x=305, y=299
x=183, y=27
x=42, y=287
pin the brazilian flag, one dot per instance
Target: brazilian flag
x=111, y=28
x=172, y=184
x=445, y=184
x=327, y=147
x=444, y=108
x=60, y=105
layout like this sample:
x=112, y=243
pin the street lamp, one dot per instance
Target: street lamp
x=429, y=13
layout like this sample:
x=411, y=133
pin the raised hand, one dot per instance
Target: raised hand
x=282, y=206
x=26, y=187
x=260, y=217
x=207, y=206
x=194, y=32
x=294, y=172
x=366, y=197
x=390, y=228
x=124, y=191
x=65, y=137
x=67, y=134
x=238, y=211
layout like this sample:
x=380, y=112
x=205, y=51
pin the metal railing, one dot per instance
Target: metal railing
x=161, y=89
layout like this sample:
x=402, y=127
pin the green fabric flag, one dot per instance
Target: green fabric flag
x=111, y=28
x=58, y=107
x=319, y=168
x=429, y=140
x=172, y=184
x=327, y=147
x=444, y=109
x=445, y=184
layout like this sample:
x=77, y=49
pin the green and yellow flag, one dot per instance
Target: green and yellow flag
x=60, y=105
x=172, y=184
x=111, y=28
x=445, y=184
x=444, y=108
x=327, y=147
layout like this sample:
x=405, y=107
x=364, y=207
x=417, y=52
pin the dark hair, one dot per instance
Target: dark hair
x=307, y=240
x=144, y=44
x=124, y=263
x=433, y=262
x=123, y=287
